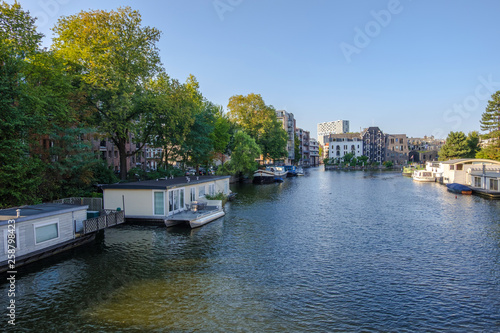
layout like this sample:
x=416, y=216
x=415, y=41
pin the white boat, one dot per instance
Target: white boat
x=204, y=219
x=423, y=176
x=300, y=171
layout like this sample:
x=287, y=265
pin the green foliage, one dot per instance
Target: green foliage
x=114, y=55
x=388, y=164
x=137, y=174
x=218, y=196
x=260, y=122
x=455, y=147
x=473, y=144
x=243, y=157
x=490, y=122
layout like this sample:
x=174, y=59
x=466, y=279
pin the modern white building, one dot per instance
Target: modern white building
x=339, y=147
x=332, y=127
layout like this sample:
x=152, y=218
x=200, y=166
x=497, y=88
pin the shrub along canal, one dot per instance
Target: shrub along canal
x=330, y=251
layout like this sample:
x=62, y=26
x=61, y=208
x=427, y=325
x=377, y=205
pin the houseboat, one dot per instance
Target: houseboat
x=269, y=175
x=35, y=232
x=423, y=176
x=170, y=201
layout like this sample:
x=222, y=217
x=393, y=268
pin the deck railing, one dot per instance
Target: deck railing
x=94, y=204
x=107, y=219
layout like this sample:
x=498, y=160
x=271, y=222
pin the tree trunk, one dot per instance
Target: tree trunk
x=123, y=159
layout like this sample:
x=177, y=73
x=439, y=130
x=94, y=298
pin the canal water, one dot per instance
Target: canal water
x=330, y=251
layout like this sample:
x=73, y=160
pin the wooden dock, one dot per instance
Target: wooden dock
x=486, y=193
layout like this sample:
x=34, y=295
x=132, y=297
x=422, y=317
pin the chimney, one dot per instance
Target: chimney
x=18, y=211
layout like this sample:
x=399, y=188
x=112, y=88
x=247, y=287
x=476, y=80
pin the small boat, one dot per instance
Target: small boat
x=204, y=219
x=423, y=176
x=292, y=170
x=198, y=213
x=263, y=176
x=459, y=188
x=269, y=174
x=300, y=171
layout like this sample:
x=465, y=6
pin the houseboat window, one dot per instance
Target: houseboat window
x=193, y=194
x=6, y=238
x=477, y=181
x=494, y=184
x=159, y=208
x=201, y=191
x=181, y=194
x=171, y=201
x=46, y=232
x=452, y=167
x=211, y=189
x=460, y=167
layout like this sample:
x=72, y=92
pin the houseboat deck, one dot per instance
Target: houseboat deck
x=486, y=193
x=195, y=218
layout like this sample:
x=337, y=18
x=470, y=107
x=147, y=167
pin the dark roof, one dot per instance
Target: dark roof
x=34, y=211
x=159, y=184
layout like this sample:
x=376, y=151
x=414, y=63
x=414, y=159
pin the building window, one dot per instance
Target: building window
x=14, y=237
x=211, y=189
x=193, y=193
x=494, y=184
x=159, y=203
x=477, y=181
x=452, y=167
x=46, y=232
x=460, y=167
x=201, y=191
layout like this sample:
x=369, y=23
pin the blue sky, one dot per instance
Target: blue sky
x=412, y=67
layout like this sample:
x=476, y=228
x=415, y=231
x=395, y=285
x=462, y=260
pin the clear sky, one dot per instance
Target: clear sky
x=418, y=67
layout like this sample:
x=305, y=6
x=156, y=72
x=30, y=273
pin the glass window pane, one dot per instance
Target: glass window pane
x=170, y=201
x=182, y=197
x=46, y=232
x=159, y=204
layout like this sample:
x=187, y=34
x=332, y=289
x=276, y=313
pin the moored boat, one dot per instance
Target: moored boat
x=300, y=171
x=263, y=176
x=459, y=188
x=291, y=169
x=423, y=176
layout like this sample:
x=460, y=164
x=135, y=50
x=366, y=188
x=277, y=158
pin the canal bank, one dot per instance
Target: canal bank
x=331, y=251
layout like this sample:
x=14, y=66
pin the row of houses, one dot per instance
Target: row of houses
x=308, y=147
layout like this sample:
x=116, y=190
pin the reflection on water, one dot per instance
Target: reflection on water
x=331, y=251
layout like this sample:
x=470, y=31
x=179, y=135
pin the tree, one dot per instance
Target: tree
x=19, y=170
x=296, y=150
x=260, y=122
x=221, y=134
x=473, y=144
x=173, y=106
x=456, y=146
x=244, y=154
x=490, y=122
x=115, y=56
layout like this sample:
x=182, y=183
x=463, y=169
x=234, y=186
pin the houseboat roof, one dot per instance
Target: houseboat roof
x=489, y=174
x=161, y=184
x=470, y=160
x=31, y=212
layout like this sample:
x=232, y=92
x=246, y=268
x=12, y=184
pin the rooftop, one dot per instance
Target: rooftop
x=35, y=211
x=161, y=184
x=470, y=160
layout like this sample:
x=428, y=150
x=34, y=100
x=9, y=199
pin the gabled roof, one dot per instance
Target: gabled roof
x=470, y=160
x=163, y=184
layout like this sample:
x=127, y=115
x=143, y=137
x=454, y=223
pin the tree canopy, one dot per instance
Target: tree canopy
x=456, y=146
x=114, y=56
x=490, y=122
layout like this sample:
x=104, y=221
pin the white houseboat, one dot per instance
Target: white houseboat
x=423, y=176
x=35, y=232
x=170, y=201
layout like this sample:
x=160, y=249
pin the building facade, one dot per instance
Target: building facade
x=339, y=147
x=397, y=149
x=374, y=145
x=314, y=152
x=332, y=127
x=288, y=121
